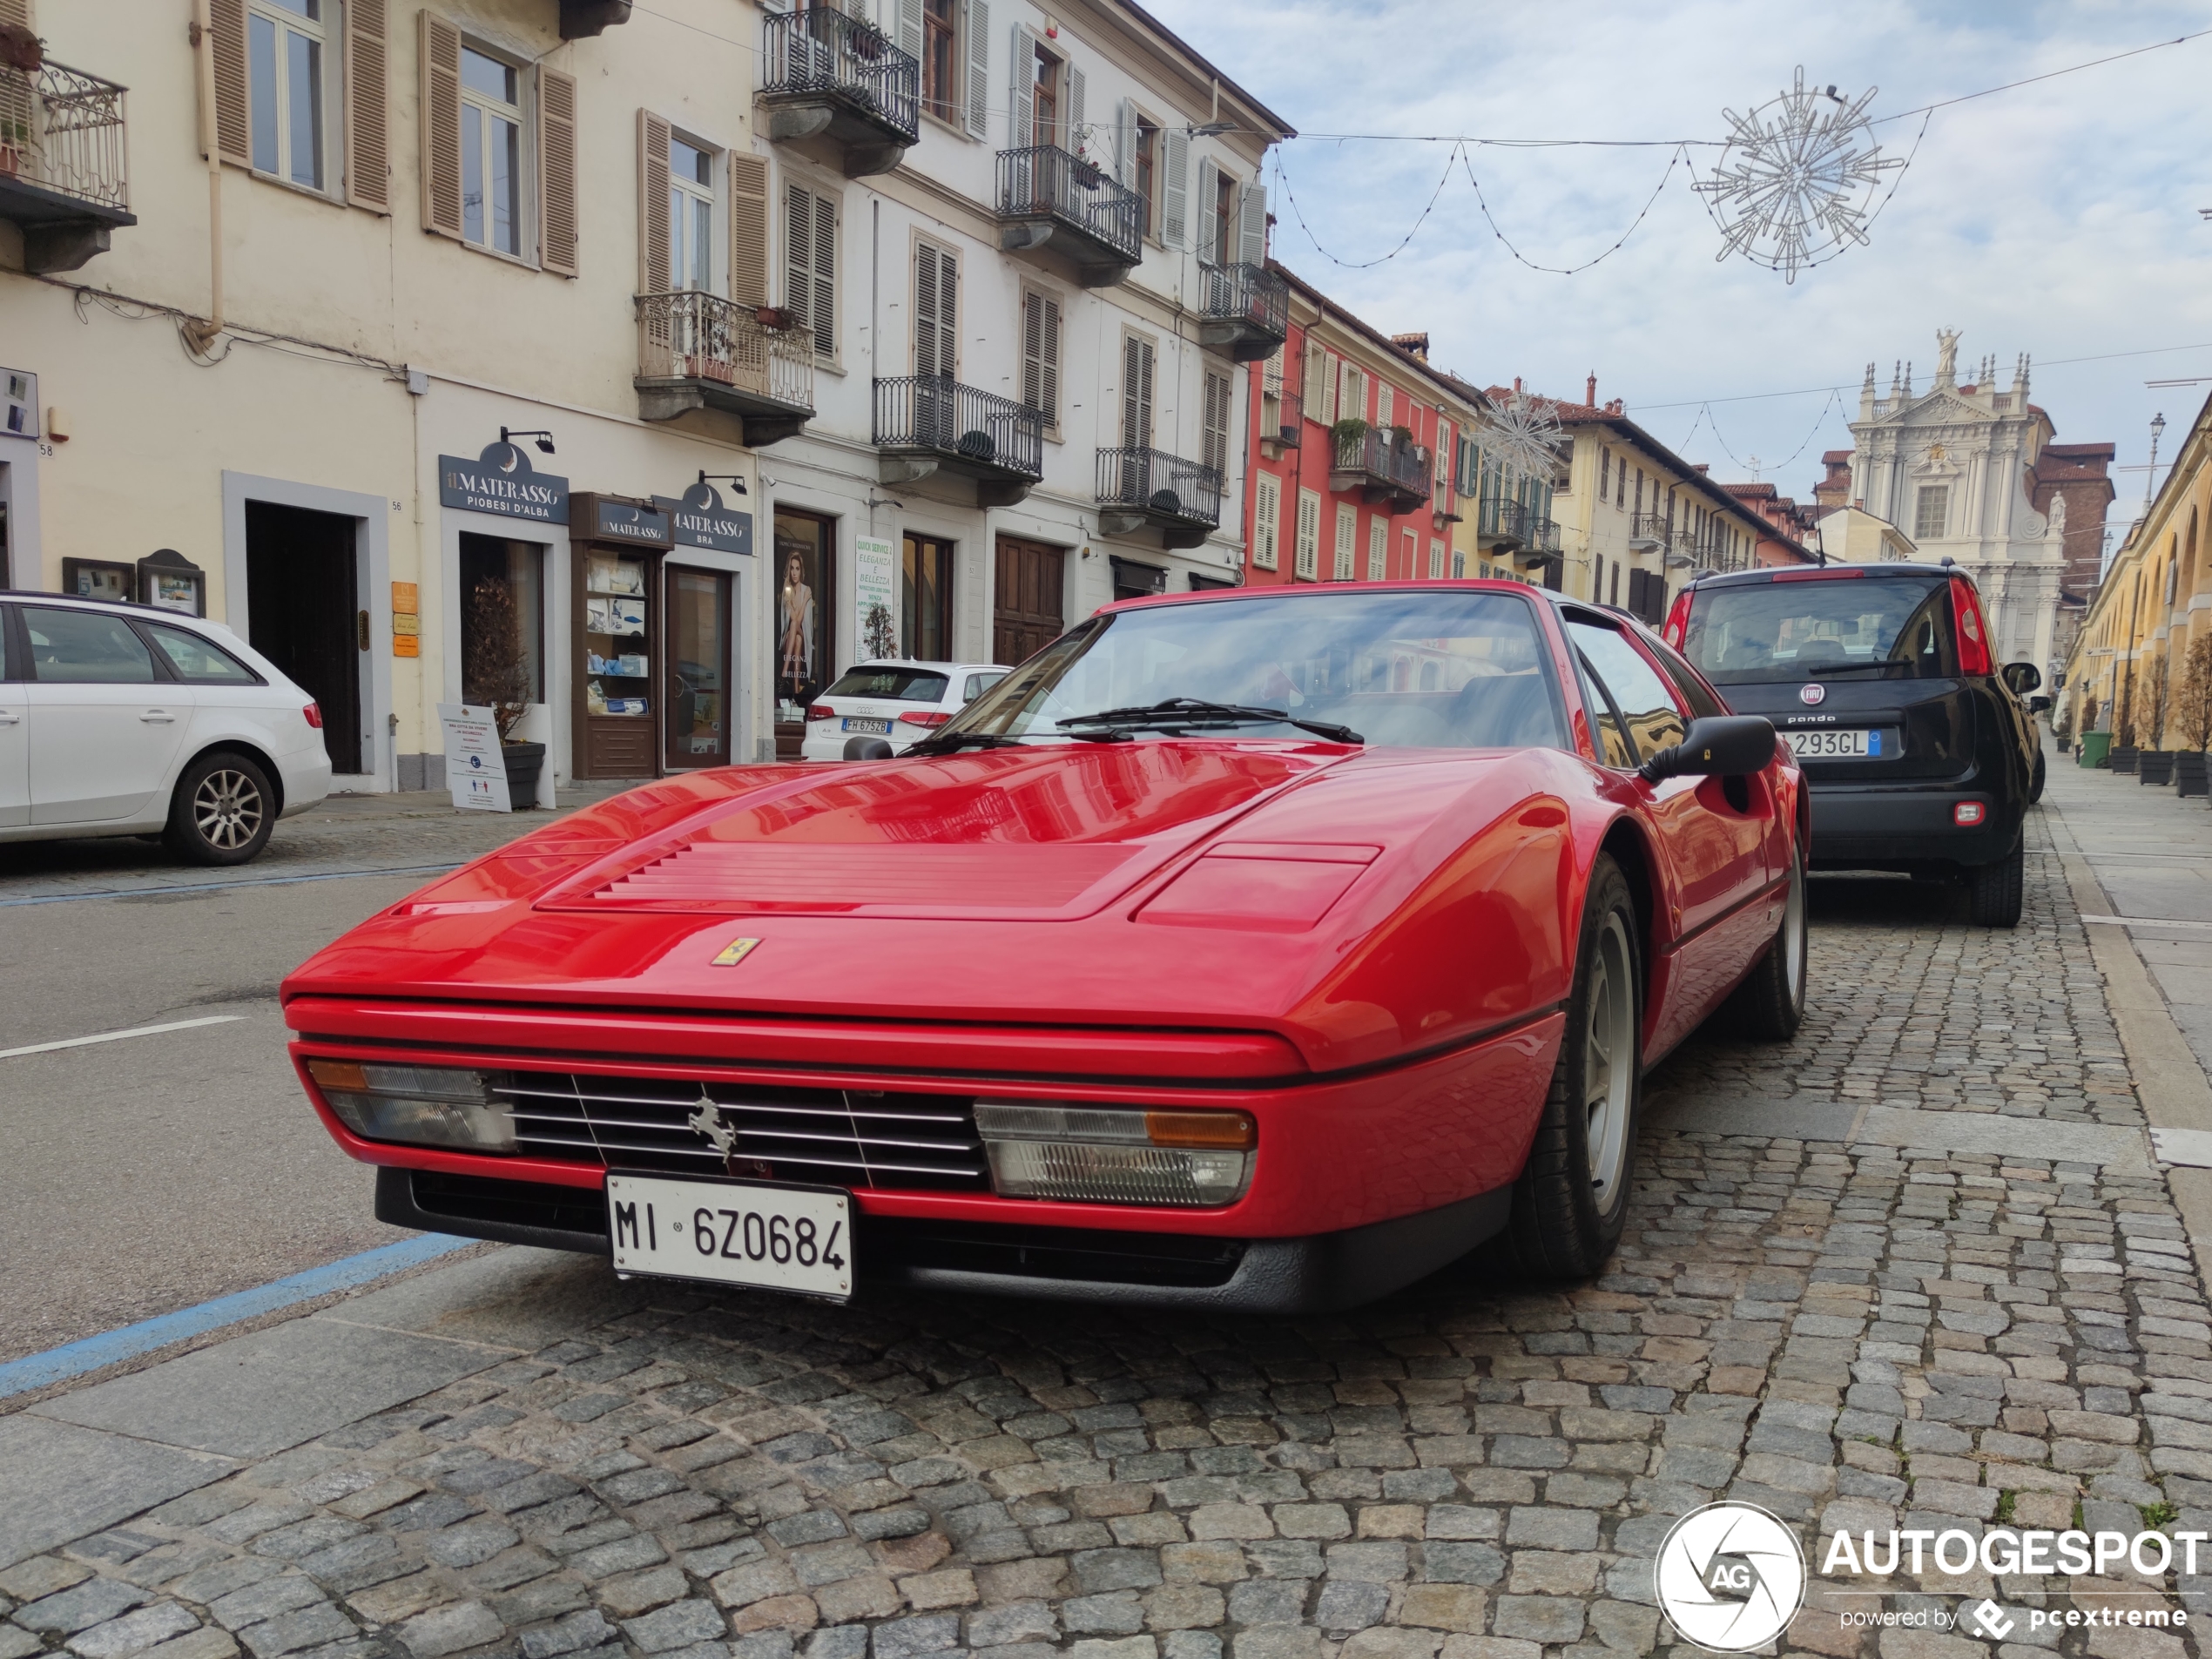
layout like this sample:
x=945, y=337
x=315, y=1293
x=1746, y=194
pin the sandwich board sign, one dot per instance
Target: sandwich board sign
x=476, y=769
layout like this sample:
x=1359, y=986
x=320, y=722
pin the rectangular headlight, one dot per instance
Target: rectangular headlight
x=419, y=1105
x=1115, y=1154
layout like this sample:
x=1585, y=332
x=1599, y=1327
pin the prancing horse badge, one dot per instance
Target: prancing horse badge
x=735, y=951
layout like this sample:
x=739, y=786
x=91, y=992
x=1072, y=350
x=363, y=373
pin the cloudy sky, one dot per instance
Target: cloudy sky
x=2059, y=218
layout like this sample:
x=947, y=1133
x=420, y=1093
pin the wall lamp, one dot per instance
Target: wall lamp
x=545, y=439
x=737, y=484
x=1210, y=129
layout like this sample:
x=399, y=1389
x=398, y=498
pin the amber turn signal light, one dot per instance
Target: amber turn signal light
x=1231, y=1131
x=338, y=1074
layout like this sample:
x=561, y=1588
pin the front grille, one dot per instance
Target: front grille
x=1091, y=1256
x=837, y=1137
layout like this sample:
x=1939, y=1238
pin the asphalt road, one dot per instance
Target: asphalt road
x=149, y=1174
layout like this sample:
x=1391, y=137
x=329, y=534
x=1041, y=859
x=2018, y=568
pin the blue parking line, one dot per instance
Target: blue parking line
x=225, y=887
x=75, y=1358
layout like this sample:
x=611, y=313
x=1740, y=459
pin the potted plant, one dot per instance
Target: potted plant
x=495, y=673
x=1348, y=434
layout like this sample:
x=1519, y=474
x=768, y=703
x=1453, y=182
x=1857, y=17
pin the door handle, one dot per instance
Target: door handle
x=158, y=717
x=9, y=717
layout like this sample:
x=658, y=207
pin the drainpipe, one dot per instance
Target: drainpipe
x=201, y=335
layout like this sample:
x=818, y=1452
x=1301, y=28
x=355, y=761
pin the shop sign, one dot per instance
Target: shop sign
x=617, y=521
x=874, y=571
x=501, y=480
x=701, y=520
x=475, y=768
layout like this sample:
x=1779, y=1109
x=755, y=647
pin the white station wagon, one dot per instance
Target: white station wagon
x=120, y=720
x=900, y=701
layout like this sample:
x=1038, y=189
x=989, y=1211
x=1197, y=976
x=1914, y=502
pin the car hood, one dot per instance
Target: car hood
x=1162, y=883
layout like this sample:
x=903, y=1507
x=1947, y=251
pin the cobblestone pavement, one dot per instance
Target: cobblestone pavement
x=1849, y=1335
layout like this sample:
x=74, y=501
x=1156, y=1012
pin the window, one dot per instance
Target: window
x=1385, y=404
x=1620, y=485
x=1352, y=402
x=491, y=152
x=502, y=621
x=1040, y=355
x=1930, y=511
x=1435, y=560
x=809, y=265
x=1378, y=550
x=1645, y=701
x=1267, y=519
x=936, y=311
x=285, y=44
x=805, y=582
x=1215, y=446
x=85, y=648
x=940, y=59
x=1883, y=628
x=1347, y=529
x=1459, y=565
x=1604, y=474
x=691, y=216
x=1139, y=361
x=1307, y=558
x=1147, y=148
x=895, y=684
x=926, y=595
x=1044, y=101
x=200, y=662
x=1223, y=250
x=979, y=683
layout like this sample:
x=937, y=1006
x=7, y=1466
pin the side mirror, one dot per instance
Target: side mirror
x=2038, y=704
x=2023, y=677
x=866, y=749
x=1722, y=746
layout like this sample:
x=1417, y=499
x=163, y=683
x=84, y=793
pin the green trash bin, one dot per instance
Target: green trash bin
x=2095, y=745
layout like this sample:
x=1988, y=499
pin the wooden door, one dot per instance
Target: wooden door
x=1028, y=617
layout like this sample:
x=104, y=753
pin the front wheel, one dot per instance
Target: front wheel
x=1571, y=1200
x=1998, y=888
x=1771, y=1003
x=222, y=812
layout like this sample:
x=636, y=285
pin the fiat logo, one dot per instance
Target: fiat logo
x=1815, y=693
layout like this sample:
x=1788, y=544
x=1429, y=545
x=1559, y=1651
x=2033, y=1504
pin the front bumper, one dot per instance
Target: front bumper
x=1317, y=1273
x=1904, y=829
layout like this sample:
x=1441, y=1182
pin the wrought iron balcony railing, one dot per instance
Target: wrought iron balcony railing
x=820, y=52
x=702, y=337
x=1245, y=309
x=62, y=129
x=1384, y=463
x=1288, y=428
x=1651, y=530
x=1502, y=519
x=975, y=430
x=1544, y=536
x=1045, y=183
x=1154, y=482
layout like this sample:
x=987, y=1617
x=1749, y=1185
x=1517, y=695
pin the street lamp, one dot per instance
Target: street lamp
x=2157, y=431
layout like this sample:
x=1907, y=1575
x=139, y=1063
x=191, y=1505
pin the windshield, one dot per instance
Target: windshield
x=1417, y=669
x=1870, y=627
x=900, y=684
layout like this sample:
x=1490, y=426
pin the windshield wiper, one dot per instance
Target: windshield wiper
x=1190, y=711
x=948, y=742
x=1882, y=667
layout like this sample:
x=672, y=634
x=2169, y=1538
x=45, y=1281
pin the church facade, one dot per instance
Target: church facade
x=1956, y=468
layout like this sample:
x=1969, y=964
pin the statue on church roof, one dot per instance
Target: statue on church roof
x=1946, y=357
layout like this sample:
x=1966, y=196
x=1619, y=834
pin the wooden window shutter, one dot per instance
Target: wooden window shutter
x=1347, y=532
x=810, y=265
x=1021, y=81
x=1270, y=380
x=1219, y=398
x=1330, y=378
x=1040, y=355
x=822, y=304
x=1306, y=560
x=910, y=28
x=1378, y=550
x=18, y=13
x=226, y=45
x=1125, y=147
x=440, y=53
x=1315, y=375
x=1385, y=404
x=557, y=228
x=653, y=276
x=1175, y=187
x=977, y=21
x=368, y=120
x=936, y=311
x=748, y=228
x=1208, y=215
x=1267, y=516
x=1136, y=392
x=1078, y=130
x=1251, y=224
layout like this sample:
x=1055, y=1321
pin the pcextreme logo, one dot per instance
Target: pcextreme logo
x=1731, y=1576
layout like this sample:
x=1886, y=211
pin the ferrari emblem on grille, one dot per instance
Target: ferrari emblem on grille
x=735, y=951
x=707, y=1120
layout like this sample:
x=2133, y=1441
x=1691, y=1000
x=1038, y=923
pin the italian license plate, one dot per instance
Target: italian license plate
x=855, y=722
x=1831, y=743
x=733, y=1232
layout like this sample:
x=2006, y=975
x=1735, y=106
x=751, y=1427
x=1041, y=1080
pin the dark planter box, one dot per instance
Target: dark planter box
x=2192, y=773
x=2154, y=766
x=2124, y=759
x=525, y=764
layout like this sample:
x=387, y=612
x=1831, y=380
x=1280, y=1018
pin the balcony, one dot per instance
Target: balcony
x=1244, y=311
x=931, y=424
x=697, y=352
x=61, y=164
x=1282, y=424
x=1381, y=467
x=1051, y=198
x=1151, y=489
x=836, y=84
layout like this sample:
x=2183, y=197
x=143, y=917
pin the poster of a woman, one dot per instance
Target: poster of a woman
x=795, y=630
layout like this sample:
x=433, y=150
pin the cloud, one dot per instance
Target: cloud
x=2058, y=218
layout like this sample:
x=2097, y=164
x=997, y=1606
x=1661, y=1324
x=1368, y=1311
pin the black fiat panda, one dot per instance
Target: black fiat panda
x=1921, y=753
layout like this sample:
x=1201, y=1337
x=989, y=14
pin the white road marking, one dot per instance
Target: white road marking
x=117, y=1036
x=2146, y=922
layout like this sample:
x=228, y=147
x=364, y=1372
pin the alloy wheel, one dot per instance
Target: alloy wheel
x=1609, y=1062
x=227, y=809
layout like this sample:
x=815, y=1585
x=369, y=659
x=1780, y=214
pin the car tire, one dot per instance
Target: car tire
x=2040, y=778
x=222, y=811
x=1571, y=1200
x=1770, y=1004
x=1996, y=889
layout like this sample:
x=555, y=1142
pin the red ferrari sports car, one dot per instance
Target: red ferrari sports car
x=1262, y=949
